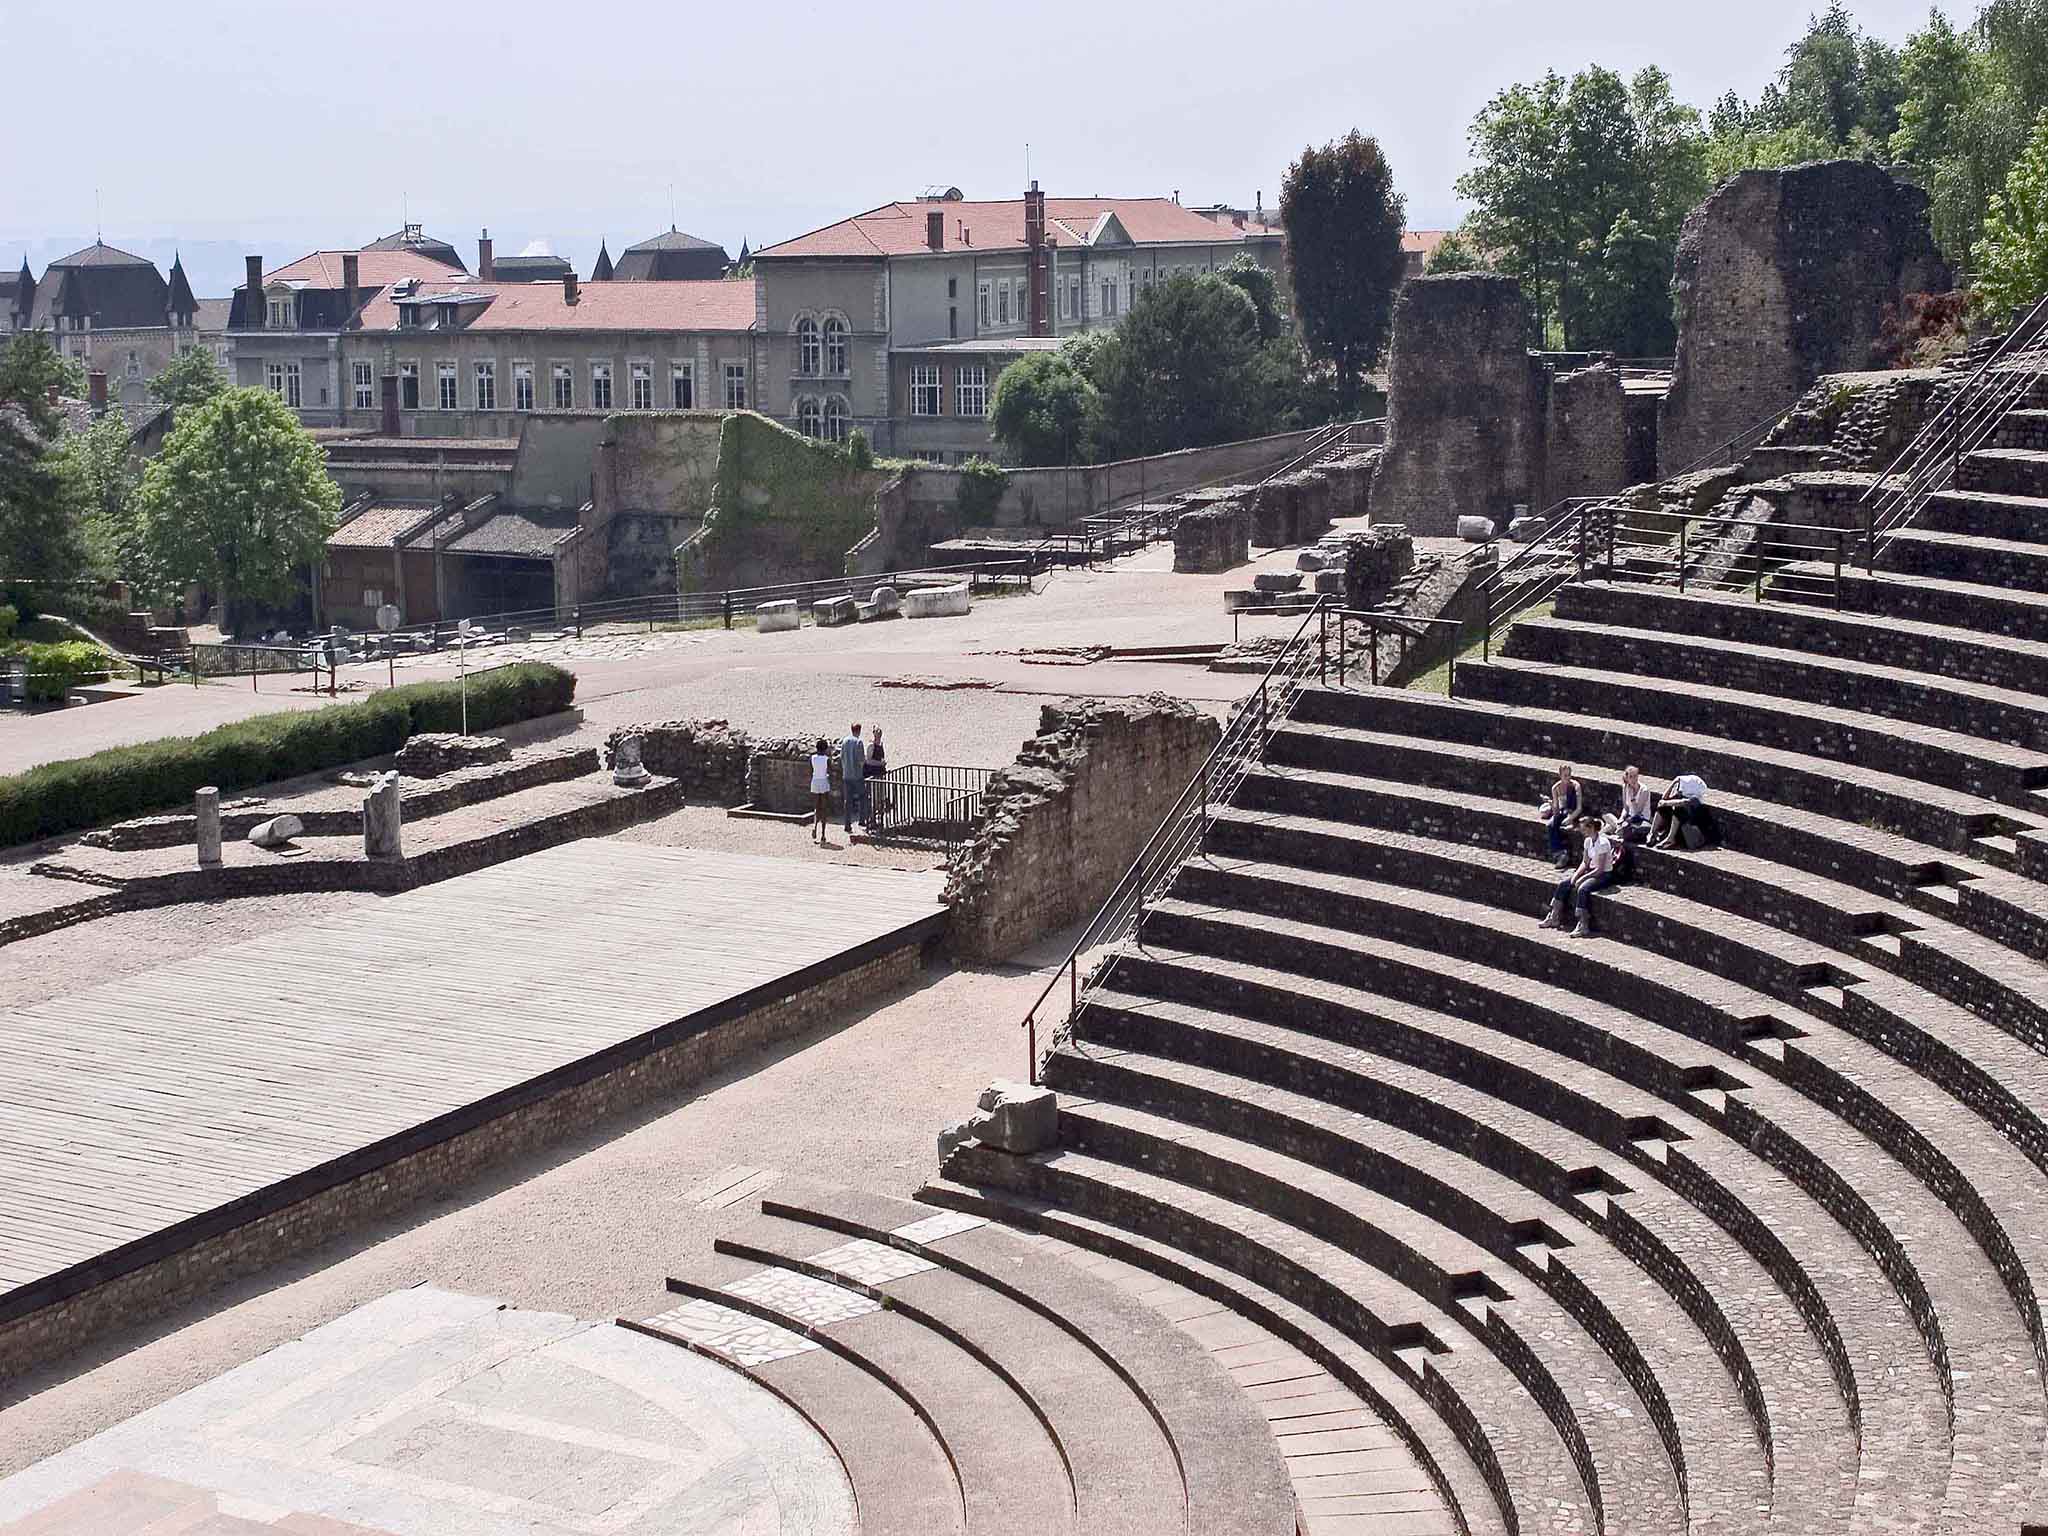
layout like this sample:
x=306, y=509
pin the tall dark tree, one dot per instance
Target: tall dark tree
x=1261, y=288
x=42, y=534
x=1178, y=371
x=1344, y=225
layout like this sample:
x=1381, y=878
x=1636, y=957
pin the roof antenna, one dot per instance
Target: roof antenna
x=1027, y=162
x=671, y=207
x=98, y=222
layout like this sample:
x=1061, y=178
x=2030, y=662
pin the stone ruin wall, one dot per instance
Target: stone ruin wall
x=1782, y=276
x=1221, y=523
x=1585, y=441
x=1065, y=821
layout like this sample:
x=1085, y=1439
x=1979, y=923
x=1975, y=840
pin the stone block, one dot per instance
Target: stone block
x=1212, y=537
x=1525, y=530
x=430, y=754
x=834, y=611
x=1311, y=560
x=1475, y=530
x=937, y=602
x=1011, y=1117
x=1330, y=583
x=381, y=818
x=888, y=602
x=1238, y=598
x=206, y=815
x=276, y=832
x=1277, y=581
x=771, y=617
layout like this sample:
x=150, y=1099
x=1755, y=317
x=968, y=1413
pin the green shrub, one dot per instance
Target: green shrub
x=54, y=670
x=981, y=491
x=161, y=775
x=9, y=617
x=858, y=451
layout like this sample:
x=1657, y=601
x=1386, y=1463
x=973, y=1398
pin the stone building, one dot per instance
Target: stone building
x=1783, y=275
x=467, y=358
x=670, y=258
x=111, y=312
x=898, y=320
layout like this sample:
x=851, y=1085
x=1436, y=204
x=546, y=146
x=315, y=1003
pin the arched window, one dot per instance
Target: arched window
x=838, y=417
x=807, y=415
x=807, y=347
x=835, y=347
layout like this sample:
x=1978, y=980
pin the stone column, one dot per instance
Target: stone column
x=628, y=770
x=380, y=820
x=206, y=811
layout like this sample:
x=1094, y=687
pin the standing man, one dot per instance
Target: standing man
x=853, y=781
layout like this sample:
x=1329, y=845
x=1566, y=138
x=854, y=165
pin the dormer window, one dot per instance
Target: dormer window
x=408, y=317
x=283, y=314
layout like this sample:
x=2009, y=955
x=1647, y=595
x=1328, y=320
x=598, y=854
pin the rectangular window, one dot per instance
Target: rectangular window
x=282, y=379
x=565, y=387
x=450, y=386
x=1003, y=302
x=366, y=386
x=1023, y=301
x=522, y=386
x=273, y=378
x=280, y=314
x=982, y=313
x=1109, y=298
x=682, y=386
x=642, y=385
x=924, y=389
x=409, y=386
x=1074, y=297
x=600, y=386
x=971, y=389
x=735, y=386
x=487, y=386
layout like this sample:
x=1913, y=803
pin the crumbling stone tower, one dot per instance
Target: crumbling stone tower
x=1783, y=275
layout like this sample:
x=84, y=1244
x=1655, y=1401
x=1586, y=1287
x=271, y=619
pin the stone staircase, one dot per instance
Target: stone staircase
x=1730, y=1218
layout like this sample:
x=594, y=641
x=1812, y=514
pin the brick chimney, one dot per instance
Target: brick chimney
x=351, y=286
x=387, y=397
x=96, y=390
x=483, y=257
x=1035, y=258
x=935, y=229
x=253, y=268
x=569, y=290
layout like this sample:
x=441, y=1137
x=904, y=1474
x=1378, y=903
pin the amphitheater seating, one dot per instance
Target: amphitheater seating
x=1730, y=1217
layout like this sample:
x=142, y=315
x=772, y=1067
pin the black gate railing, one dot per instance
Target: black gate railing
x=928, y=802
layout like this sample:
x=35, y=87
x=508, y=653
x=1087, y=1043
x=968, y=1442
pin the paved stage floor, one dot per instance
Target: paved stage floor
x=428, y=1413
x=133, y=1107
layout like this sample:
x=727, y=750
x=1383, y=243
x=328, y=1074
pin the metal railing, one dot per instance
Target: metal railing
x=1801, y=562
x=928, y=802
x=1573, y=531
x=1927, y=466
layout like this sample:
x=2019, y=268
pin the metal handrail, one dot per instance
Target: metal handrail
x=1958, y=429
x=1180, y=831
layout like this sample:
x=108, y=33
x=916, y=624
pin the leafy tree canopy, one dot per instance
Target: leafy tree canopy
x=2013, y=267
x=1045, y=410
x=239, y=499
x=1453, y=253
x=41, y=518
x=1344, y=225
x=190, y=378
x=1261, y=288
x=1177, y=372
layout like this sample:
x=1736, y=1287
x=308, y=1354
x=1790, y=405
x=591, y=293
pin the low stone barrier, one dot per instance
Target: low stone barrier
x=937, y=602
x=429, y=754
x=771, y=617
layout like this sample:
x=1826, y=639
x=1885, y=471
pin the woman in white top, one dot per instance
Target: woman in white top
x=1638, y=804
x=821, y=790
x=1596, y=871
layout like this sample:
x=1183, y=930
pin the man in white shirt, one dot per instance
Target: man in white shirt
x=1683, y=805
x=1595, y=872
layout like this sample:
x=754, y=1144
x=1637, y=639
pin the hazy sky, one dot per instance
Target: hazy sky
x=224, y=125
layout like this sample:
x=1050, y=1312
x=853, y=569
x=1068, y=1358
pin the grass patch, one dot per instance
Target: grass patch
x=1437, y=678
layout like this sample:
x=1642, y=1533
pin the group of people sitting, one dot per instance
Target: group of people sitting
x=1678, y=818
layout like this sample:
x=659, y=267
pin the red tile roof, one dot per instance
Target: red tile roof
x=898, y=229
x=322, y=269
x=1423, y=242
x=720, y=305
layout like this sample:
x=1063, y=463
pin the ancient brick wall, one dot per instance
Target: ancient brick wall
x=1065, y=821
x=1213, y=538
x=1783, y=275
x=1465, y=405
x=1586, y=451
x=653, y=1067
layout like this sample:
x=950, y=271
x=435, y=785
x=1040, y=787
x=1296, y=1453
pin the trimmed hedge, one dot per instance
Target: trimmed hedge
x=162, y=775
x=55, y=669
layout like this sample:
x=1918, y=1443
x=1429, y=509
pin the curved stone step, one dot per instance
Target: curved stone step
x=1779, y=1368
x=1997, y=660
x=1947, y=703
x=903, y=1479
x=1010, y=1469
x=1949, y=556
x=1969, y=605
x=1922, y=754
x=1472, y=1489
x=1900, y=1208
x=1231, y=1482
x=1994, y=496
x=1696, y=1407
x=1551, y=1485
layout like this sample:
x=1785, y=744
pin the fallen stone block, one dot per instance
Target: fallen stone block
x=1310, y=560
x=834, y=611
x=276, y=832
x=868, y=610
x=1011, y=1117
x=1330, y=583
x=937, y=602
x=1525, y=530
x=1278, y=581
x=1241, y=597
x=888, y=602
x=1475, y=530
x=771, y=617
x=433, y=753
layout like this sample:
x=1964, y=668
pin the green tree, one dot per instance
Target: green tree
x=2012, y=269
x=1515, y=188
x=42, y=541
x=101, y=470
x=1045, y=409
x=1178, y=370
x=1344, y=225
x=190, y=378
x=1840, y=84
x=1627, y=304
x=1261, y=287
x=239, y=500
x=1453, y=253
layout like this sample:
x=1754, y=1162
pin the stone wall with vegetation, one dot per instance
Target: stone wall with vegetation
x=1065, y=821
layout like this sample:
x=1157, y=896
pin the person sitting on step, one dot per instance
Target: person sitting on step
x=1683, y=820
x=1560, y=811
x=1595, y=872
x=1638, y=806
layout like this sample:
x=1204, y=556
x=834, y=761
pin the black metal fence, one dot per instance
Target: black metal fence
x=928, y=802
